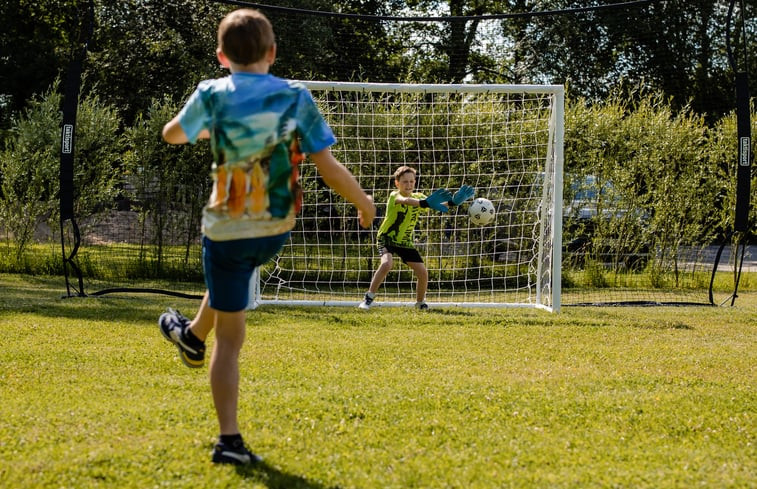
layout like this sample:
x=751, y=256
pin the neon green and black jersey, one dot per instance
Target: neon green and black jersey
x=398, y=225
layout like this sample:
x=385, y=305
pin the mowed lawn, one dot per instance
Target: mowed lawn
x=623, y=397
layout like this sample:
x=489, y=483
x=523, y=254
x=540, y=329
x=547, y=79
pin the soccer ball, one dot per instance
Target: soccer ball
x=481, y=212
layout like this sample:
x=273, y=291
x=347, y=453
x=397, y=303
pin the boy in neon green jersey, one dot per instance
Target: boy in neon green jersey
x=395, y=235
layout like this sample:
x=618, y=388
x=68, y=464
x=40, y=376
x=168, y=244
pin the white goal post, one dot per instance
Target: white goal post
x=506, y=141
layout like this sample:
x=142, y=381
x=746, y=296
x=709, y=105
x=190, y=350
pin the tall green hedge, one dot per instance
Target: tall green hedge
x=671, y=173
x=671, y=176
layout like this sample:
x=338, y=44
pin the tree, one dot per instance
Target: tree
x=36, y=43
x=677, y=47
x=328, y=47
x=145, y=50
x=446, y=51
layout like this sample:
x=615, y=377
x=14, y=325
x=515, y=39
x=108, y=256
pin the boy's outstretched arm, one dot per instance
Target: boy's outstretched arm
x=339, y=178
x=173, y=133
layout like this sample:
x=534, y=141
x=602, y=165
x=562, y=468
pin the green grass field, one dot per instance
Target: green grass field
x=666, y=397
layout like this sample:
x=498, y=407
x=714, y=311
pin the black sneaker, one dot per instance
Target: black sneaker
x=421, y=306
x=173, y=326
x=236, y=454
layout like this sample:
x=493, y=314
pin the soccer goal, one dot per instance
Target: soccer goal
x=504, y=140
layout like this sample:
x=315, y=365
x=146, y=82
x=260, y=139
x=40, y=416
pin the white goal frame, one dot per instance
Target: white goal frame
x=538, y=287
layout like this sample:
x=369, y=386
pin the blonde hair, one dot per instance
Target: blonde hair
x=245, y=36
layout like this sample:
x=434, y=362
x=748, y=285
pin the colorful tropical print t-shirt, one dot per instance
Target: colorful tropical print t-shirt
x=398, y=225
x=260, y=126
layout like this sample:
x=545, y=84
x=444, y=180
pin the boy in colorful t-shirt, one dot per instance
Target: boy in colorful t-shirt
x=259, y=126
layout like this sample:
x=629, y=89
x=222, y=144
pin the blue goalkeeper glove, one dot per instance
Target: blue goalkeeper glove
x=437, y=199
x=466, y=192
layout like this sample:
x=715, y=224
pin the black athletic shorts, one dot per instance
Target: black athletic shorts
x=408, y=255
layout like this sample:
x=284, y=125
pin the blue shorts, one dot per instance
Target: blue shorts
x=228, y=266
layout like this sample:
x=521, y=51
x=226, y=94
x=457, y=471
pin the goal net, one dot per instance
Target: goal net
x=503, y=140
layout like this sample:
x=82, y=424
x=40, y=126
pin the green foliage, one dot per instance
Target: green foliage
x=145, y=50
x=37, y=42
x=34, y=259
x=29, y=165
x=676, y=48
x=166, y=185
x=594, y=274
x=655, y=159
x=670, y=179
x=373, y=51
x=98, y=156
x=29, y=170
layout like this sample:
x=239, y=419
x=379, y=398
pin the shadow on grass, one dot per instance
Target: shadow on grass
x=44, y=296
x=273, y=478
x=664, y=325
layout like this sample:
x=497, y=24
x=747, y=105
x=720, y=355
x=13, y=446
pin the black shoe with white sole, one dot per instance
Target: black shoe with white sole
x=174, y=326
x=235, y=453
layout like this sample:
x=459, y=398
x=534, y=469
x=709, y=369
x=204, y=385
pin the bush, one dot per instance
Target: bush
x=167, y=185
x=666, y=172
x=30, y=165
